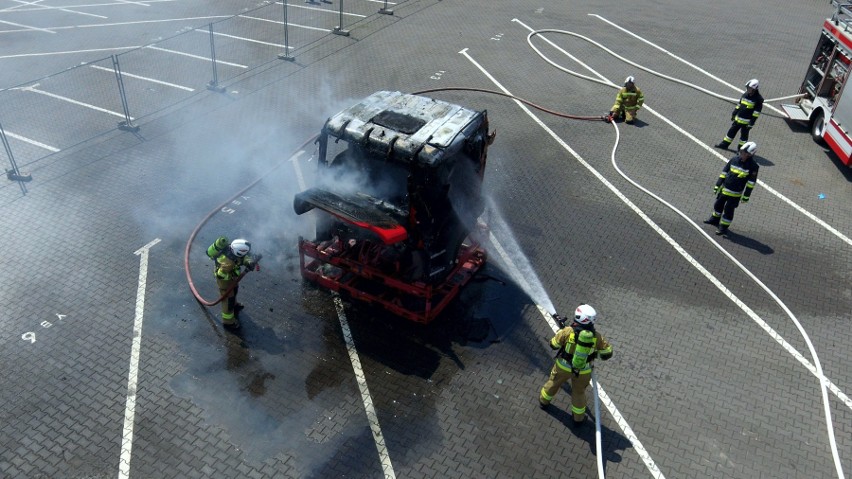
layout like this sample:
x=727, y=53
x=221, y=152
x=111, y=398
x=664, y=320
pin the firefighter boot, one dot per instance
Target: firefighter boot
x=722, y=231
x=712, y=221
x=232, y=326
x=723, y=145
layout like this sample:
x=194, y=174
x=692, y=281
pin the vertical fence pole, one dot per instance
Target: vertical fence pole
x=384, y=10
x=286, y=55
x=338, y=30
x=14, y=174
x=127, y=124
x=214, y=84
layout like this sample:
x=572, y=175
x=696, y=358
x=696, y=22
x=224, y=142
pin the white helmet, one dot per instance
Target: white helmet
x=750, y=147
x=753, y=83
x=585, y=314
x=629, y=79
x=240, y=247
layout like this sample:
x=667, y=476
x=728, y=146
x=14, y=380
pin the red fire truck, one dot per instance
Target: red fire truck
x=824, y=103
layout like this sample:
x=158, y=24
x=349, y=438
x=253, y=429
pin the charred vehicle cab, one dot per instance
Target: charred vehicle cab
x=399, y=194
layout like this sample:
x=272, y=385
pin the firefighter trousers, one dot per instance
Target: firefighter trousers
x=744, y=130
x=579, y=383
x=724, y=208
x=229, y=302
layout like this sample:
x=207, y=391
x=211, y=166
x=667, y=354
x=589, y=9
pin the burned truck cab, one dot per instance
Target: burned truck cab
x=399, y=189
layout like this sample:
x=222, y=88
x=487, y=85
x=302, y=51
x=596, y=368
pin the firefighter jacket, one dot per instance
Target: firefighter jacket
x=228, y=265
x=738, y=178
x=748, y=109
x=578, y=346
x=631, y=100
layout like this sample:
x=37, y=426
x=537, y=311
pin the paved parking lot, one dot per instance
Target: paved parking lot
x=110, y=367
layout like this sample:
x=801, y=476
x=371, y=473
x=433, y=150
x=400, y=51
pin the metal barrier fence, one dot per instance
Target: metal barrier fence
x=42, y=117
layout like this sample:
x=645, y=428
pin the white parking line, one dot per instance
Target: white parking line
x=245, y=39
x=715, y=153
x=67, y=52
x=133, y=371
x=38, y=6
x=372, y=418
x=306, y=27
x=622, y=423
x=70, y=100
x=151, y=80
x=218, y=62
x=32, y=142
x=27, y=28
x=84, y=5
x=121, y=24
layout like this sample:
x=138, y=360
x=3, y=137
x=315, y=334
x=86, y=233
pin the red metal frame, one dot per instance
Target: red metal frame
x=338, y=268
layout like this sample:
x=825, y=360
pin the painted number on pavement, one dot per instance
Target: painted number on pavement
x=31, y=335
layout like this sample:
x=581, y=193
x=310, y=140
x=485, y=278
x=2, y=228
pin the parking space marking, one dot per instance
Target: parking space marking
x=61, y=9
x=245, y=39
x=71, y=100
x=199, y=57
x=306, y=27
x=517, y=275
x=85, y=5
x=120, y=24
x=27, y=28
x=67, y=52
x=372, y=418
x=336, y=12
x=715, y=153
x=152, y=80
x=133, y=373
x=32, y=142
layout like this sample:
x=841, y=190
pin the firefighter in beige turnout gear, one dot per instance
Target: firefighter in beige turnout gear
x=578, y=345
x=229, y=259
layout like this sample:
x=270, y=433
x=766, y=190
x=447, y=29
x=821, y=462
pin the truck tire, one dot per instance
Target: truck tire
x=818, y=127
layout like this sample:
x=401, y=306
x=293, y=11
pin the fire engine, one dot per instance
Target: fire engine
x=398, y=201
x=824, y=103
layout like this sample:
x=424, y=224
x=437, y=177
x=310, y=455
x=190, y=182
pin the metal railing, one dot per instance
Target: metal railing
x=43, y=117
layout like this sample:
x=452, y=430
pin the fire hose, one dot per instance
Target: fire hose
x=817, y=367
x=195, y=231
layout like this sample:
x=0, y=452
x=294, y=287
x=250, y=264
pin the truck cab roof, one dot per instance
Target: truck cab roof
x=403, y=126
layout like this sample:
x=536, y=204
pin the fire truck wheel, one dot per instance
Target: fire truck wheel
x=818, y=127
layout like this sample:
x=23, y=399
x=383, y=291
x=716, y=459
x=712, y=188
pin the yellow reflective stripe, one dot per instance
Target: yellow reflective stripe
x=578, y=410
x=747, y=103
x=756, y=114
x=227, y=315
x=741, y=173
x=607, y=350
x=555, y=343
x=723, y=175
x=563, y=365
x=546, y=396
x=750, y=184
x=728, y=192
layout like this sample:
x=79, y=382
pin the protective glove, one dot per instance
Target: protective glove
x=717, y=189
x=559, y=320
x=744, y=199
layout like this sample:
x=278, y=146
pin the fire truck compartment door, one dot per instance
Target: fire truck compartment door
x=354, y=210
x=794, y=112
x=843, y=111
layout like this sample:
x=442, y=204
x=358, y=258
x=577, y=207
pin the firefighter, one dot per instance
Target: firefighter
x=628, y=101
x=744, y=115
x=735, y=185
x=578, y=345
x=227, y=271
